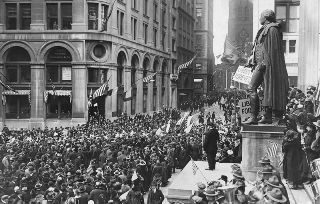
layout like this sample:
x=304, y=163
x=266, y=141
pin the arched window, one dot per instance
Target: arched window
x=18, y=77
x=58, y=83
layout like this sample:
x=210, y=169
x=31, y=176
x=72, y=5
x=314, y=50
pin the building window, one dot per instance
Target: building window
x=145, y=33
x=134, y=4
x=155, y=12
x=284, y=46
x=93, y=16
x=145, y=94
x=173, y=3
x=163, y=40
x=173, y=45
x=59, y=107
x=134, y=28
x=133, y=76
x=15, y=21
x=154, y=99
x=25, y=16
x=17, y=107
x=292, y=46
x=59, y=16
x=145, y=8
x=97, y=75
x=289, y=14
x=17, y=66
x=104, y=14
x=58, y=66
x=173, y=22
x=120, y=23
x=155, y=39
x=163, y=17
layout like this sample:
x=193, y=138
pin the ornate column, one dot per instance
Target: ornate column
x=150, y=95
x=2, y=107
x=38, y=86
x=37, y=15
x=78, y=15
x=139, y=97
x=159, y=91
x=111, y=101
x=79, y=93
x=308, y=58
x=127, y=86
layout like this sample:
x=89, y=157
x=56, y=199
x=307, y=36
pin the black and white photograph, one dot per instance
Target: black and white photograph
x=159, y=101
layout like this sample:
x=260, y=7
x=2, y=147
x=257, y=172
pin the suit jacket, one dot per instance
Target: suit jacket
x=210, y=141
x=155, y=197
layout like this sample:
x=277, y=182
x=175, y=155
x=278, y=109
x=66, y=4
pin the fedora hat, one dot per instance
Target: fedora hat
x=142, y=163
x=276, y=195
x=211, y=191
x=317, y=123
x=267, y=170
x=237, y=173
x=273, y=181
x=201, y=185
x=264, y=160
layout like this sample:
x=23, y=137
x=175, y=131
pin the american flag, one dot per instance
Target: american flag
x=194, y=167
x=148, y=78
x=100, y=91
x=185, y=65
x=272, y=149
x=281, y=155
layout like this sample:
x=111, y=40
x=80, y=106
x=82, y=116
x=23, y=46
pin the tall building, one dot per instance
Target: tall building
x=53, y=53
x=185, y=47
x=204, y=62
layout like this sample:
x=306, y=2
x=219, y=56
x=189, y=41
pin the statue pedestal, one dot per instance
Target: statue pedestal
x=257, y=142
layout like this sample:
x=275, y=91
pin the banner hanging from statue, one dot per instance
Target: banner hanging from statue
x=243, y=75
x=245, y=108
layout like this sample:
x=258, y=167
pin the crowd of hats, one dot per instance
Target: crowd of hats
x=266, y=187
x=68, y=162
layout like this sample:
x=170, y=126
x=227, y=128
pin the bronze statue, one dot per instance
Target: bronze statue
x=269, y=68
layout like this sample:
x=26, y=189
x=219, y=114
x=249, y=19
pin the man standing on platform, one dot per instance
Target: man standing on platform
x=210, y=145
x=268, y=65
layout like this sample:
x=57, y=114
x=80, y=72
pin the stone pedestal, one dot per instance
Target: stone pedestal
x=256, y=140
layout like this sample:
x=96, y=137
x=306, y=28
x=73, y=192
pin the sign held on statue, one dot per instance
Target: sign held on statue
x=245, y=108
x=243, y=75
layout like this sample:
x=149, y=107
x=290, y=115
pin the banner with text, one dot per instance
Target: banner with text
x=242, y=75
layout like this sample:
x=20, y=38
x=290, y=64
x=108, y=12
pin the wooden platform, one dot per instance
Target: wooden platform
x=185, y=184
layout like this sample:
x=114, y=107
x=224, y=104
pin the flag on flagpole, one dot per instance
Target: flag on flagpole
x=231, y=53
x=7, y=86
x=100, y=91
x=185, y=65
x=113, y=91
x=128, y=95
x=194, y=167
x=105, y=20
x=148, y=78
x=272, y=149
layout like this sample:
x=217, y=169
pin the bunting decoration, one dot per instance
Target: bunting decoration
x=185, y=65
x=7, y=86
x=148, y=78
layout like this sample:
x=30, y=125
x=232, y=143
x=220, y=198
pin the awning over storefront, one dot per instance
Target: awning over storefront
x=57, y=93
x=197, y=80
x=17, y=92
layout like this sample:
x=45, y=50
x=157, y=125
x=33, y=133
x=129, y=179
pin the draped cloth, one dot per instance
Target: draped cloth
x=268, y=48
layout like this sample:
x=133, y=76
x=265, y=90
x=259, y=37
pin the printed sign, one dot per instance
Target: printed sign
x=66, y=73
x=243, y=75
x=245, y=108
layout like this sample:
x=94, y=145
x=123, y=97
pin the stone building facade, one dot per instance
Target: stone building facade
x=53, y=53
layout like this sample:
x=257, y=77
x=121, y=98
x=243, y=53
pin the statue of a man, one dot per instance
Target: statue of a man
x=269, y=69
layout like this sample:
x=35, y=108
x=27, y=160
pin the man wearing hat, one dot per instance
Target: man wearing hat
x=200, y=193
x=98, y=194
x=155, y=195
x=211, y=194
x=275, y=196
x=210, y=145
x=273, y=182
